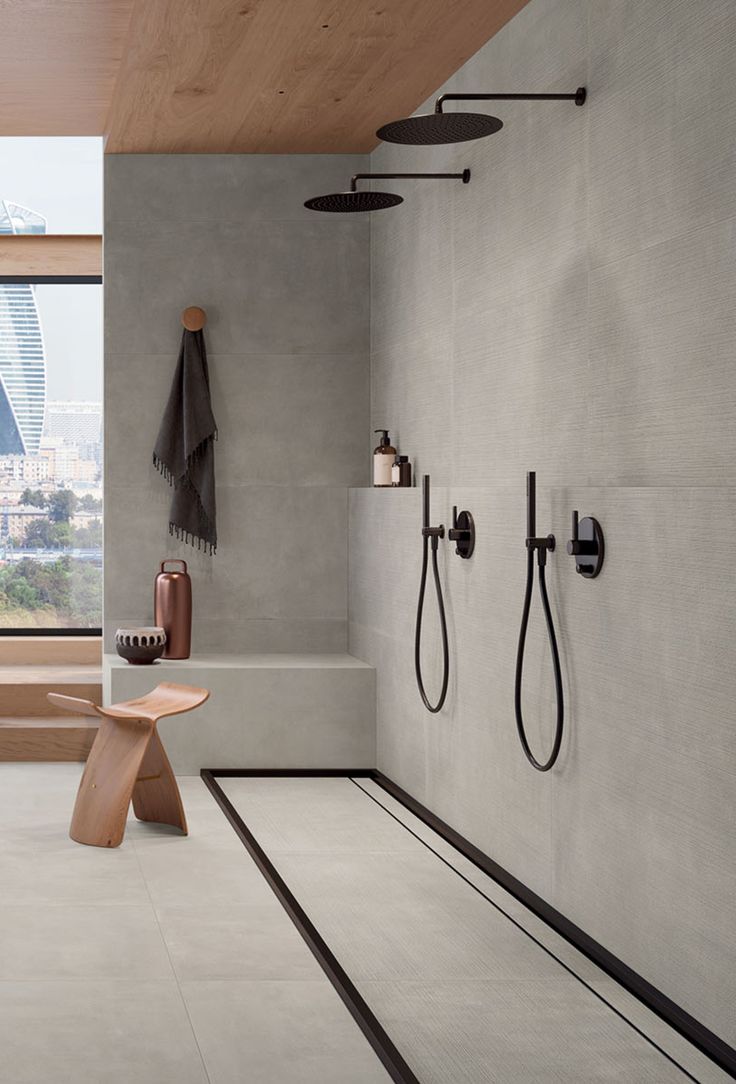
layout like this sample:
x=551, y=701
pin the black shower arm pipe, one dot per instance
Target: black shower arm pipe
x=578, y=97
x=464, y=177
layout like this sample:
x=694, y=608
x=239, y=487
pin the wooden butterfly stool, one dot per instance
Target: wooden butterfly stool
x=127, y=761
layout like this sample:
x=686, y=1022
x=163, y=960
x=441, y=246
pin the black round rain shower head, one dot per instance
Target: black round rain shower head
x=432, y=128
x=439, y=127
x=346, y=202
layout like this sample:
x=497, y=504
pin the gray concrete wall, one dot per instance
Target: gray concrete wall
x=571, y=311
x=287, y=296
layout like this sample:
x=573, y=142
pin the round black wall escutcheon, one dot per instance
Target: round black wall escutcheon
x=588, y=547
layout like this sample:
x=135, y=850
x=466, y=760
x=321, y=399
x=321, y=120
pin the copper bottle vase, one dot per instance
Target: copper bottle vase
x=172, y=604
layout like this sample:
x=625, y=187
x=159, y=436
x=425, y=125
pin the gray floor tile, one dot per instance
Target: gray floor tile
x=242, y=942
x=42, y=865
x=101, y=1032
x=278, y=1033
x=74, y=941
x=192, y=871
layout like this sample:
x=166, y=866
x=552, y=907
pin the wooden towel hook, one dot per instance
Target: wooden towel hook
x=194, y=318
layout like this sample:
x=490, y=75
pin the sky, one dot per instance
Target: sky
x=61, y=178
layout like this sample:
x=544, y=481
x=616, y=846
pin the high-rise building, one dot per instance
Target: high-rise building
x=76, y=423
x=22, y=354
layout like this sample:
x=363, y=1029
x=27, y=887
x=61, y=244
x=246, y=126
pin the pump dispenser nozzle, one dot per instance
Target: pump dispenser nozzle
x=384, y=439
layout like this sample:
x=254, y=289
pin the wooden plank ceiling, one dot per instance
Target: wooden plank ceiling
x=59, y=62
x=231, y=76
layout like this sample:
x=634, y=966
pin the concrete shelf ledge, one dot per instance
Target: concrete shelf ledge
x=249, y=661
x=265, y=711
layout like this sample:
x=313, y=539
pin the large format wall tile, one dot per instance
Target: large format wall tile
x=287, y=298
x=662, y=329
x=283, y=419
x=268, y=287
x=229, y=188
x=281, y=555
x=662, y=122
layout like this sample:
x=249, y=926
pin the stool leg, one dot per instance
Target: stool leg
x=107, y=783
x=156, y=795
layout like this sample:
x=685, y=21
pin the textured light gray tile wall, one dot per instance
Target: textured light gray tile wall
x=571, y=311
x=287, y=298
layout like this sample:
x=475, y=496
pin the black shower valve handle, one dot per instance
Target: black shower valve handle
x=462, y=532
x=576, y=545
x=589, y=546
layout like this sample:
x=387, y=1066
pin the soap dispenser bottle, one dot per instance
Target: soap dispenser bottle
x=383, y=460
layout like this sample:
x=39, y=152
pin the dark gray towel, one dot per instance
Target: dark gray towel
x=184, y=451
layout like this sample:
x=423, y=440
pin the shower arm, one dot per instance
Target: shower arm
x=578, y=97
x=464, y=177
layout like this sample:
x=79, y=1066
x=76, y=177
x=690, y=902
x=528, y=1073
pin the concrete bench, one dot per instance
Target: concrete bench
x=264, y=711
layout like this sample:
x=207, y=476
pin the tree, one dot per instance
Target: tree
x=62, y=505
x=35, y=497
x=89, y=537
x=42, y=534
x=88, y=503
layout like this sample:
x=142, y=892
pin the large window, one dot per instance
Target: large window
x=50, y=400
x=58, y=180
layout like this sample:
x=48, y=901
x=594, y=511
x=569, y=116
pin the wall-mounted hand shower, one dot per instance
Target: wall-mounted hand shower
x=439, y=127
x=435, y=534
x=542, y=547
x=353, y=200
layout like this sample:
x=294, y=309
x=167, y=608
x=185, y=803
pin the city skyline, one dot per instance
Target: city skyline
x=22, y=350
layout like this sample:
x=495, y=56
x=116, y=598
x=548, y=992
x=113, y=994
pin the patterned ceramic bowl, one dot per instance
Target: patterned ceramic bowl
x=140, y=646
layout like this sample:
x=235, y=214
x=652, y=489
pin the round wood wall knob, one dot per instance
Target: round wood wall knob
x=194, y=318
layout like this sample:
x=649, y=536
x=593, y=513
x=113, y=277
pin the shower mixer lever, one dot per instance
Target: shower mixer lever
x=462, y=533
x=586, y=543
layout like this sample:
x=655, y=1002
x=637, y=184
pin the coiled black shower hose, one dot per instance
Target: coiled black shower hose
x=542, y=561
x=436, y=534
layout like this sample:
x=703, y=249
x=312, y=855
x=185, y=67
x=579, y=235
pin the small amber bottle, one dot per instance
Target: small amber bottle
x=401, y=472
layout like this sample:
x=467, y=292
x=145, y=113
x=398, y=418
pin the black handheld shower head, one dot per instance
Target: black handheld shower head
x=432, y=128
x=353, y=200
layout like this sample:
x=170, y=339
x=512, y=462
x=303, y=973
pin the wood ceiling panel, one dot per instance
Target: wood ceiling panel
x=59, y=61
x=286, y=76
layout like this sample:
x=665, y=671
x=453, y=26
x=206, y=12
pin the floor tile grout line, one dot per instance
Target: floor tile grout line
x=171, y=964
x=526, y=932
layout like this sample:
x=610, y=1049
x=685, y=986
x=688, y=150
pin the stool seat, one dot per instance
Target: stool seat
x=127, y=762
